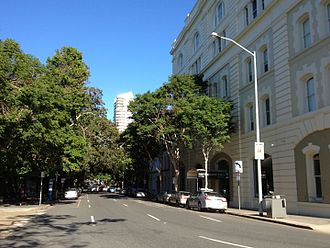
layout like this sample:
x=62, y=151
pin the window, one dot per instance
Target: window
x=251, y=118
x=328, y=14
x=306, y=33
x=317, y=175
x=214, y=49
x=249, y=70
x=215, y=90
x=310, y=91
x=196, y=41
x=254, y=9
x=180, y=60
x=220, y=44
x=219, y=13
x=246, y=10
x=262, y=4
x=225, y=88
x=267, y=112
x=196, y=67
x=265, y=60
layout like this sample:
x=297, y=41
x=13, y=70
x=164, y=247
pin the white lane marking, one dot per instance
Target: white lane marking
x=209, y=218
x=115, y=200
x=155, y=218
x=87, y=196
x=78, y=204
x=88, y=201
x=125, y=205
x=225, y=242
x=92, y=219
x=89, y=206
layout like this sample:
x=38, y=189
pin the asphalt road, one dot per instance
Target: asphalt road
x=107, y=220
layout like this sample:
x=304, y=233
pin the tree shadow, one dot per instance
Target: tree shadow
x=52, y=231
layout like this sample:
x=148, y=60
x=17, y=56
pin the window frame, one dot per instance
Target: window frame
x=219, y=13
x=265, y=57
x=251, y=117
x=249, y=70
x=310, y=95
x=254, y=9
x=196, y=41
x=267, y=111
x=328, y=16
x=246, y=15
x=306, y=33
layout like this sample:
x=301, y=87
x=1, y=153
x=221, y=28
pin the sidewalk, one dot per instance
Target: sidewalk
x=17, y=216
x=313, y=223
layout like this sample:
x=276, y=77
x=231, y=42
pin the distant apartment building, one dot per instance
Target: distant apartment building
x=121, y=113
x=292, y=42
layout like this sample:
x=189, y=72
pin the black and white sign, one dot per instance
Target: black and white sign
x=239, y=166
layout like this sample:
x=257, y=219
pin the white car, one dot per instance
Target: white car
x=71, y=193
x=207, y=199
x=179, y=198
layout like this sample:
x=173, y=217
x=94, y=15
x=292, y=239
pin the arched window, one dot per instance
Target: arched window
x=310, y=95
x=306, y=32
x=196, y=41
x=219, y=13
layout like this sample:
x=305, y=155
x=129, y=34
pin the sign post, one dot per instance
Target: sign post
x=238, y=171
x=42, y=175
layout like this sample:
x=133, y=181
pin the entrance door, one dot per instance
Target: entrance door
x=223, y=178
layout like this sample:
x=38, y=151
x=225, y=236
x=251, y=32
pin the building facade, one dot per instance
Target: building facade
x=292, y=42
x=122, y=116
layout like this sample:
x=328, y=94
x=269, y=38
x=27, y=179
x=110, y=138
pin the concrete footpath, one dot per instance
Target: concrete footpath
x=12, y=217
x=312, y=223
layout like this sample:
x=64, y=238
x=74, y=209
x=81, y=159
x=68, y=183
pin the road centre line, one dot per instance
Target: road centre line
x=125, y=205
x=155, y=218
x=89, y=206
x=88, y=201
x=115, y=200
x=209, y=218
x=225, y=242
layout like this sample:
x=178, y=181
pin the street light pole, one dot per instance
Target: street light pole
x=254, y=55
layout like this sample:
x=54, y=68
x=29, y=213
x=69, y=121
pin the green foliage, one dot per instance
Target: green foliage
x=50, y=120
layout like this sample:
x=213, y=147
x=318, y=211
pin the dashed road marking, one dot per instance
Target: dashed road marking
x=209, y=218
x=153, y=217
x=225, y=242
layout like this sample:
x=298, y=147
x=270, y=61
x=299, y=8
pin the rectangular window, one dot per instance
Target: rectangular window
x=262, y=4
x=219, y=45
x=306, y=33
x=249, y=69
x=317, y=176
x=246, y=10
x=223, y=40
x=251, y=119
x=214, y=48
x=310, y=90
x=265, y=55
x=225, y=88
x=267, y=111
x=254, y=9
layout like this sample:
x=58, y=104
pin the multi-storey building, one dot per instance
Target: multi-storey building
x=292, y=42
x=122, y=116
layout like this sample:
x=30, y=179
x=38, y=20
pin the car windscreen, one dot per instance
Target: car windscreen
x=215, y=194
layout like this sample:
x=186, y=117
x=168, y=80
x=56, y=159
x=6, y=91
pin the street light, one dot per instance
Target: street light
x=257, y=143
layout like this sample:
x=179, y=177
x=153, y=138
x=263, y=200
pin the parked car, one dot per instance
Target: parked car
x=140, y=193
x=163, y=197
x=207, y=199
x=111, y=189
x=71, y=193
x=179, y=198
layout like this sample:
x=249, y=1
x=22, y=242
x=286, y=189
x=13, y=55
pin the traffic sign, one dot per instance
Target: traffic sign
x=259, y=152
x=239, y=166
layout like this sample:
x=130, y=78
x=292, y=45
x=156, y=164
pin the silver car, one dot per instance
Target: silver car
x=207, y=199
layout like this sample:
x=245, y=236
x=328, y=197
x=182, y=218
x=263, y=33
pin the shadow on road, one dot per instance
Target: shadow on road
x=52, y=231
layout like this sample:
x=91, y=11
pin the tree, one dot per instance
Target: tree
x=159, y=115
x=209, y=122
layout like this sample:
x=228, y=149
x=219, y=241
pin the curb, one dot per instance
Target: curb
x=273, y=221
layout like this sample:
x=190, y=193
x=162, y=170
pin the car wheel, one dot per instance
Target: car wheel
x=222, y=211
x=199, y=206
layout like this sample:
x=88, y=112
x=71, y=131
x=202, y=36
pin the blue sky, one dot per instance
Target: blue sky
x=126, y=44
